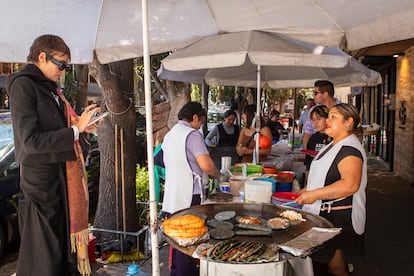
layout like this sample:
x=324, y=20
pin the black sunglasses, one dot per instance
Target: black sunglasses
x=61, y=65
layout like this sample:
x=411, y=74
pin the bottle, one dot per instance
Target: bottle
x=224, y=176
x=241, y=192
x=133, y=270
x=239, y=146
x=244, y=169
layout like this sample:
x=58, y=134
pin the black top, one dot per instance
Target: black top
x=334, y=175
x=316, y=142
x=274, y=127
x=228, y=140
x=41, y=133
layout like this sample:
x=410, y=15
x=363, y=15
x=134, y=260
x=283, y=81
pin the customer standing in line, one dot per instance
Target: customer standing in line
x=336, y=190
x=323, y=93
x=187, y=167
x=305, y=113
x=46, y=132
x=319, y=139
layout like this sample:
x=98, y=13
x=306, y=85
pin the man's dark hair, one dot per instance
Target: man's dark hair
x=274, y=113
x=189, y=110
x=325, y=86
x=50, y=44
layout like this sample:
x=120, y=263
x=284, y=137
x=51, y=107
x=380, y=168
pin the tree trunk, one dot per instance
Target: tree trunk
x=122, y=113
x=81, y=98
x=177, y=94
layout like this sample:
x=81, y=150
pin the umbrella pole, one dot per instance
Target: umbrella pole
x=116, y=179
x=204, y=97
x=124, y=228
x=294, y=111
x=257, y=116
x=150, y=139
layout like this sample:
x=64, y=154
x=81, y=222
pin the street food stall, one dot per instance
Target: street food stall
x=243, y=239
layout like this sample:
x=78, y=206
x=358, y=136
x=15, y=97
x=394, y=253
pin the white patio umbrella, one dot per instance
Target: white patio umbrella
x=353, y=74
x=117, y=30
x=261, y=59
x=112, y=27
x=261, y=48
x=232, y=59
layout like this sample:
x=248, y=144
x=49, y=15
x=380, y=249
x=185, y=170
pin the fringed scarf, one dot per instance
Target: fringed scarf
x=78, y=198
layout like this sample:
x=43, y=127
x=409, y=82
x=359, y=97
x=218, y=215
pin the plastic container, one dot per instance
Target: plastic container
x=236, y=183
x=251, y=168
x=133, y=270
x=257, y=191
x=225, y=163
x=285, y=176
x=284, y=181
x=225, y=187
x=269, y=179
x=284, y=187
x=285, y=199
x=269, y=170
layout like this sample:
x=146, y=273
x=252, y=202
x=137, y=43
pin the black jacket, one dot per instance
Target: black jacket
x=39, y=124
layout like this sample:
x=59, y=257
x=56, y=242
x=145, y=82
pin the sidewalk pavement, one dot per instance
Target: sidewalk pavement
x=389, y=241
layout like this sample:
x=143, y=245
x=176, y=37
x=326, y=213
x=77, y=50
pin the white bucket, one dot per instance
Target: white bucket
x=257, y=191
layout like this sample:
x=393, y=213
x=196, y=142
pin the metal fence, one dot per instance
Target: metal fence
x=122, y=236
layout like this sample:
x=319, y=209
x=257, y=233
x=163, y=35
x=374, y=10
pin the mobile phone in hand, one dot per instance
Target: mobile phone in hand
x=98, y=117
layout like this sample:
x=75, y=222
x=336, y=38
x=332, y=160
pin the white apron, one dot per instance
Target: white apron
x=179, y=178
x=317, y=175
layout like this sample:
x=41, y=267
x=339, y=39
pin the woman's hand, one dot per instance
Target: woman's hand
x=239, y=150
x=85, y=117
x=301, y=191
x=243, y=150
x=306, y=197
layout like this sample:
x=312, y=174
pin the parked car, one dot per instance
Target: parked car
x=9, y=183
x=215, y=114
x=214, y=118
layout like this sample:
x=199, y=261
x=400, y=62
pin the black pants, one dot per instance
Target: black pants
x=182, y=264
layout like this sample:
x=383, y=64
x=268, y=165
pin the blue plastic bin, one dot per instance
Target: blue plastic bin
x=284, y=187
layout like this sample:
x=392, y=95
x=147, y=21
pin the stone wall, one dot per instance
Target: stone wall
x=404, y=133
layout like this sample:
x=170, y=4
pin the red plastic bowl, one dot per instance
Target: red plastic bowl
x=285, y=199
x=269, y=170
x=285, y=176
x=286, y=195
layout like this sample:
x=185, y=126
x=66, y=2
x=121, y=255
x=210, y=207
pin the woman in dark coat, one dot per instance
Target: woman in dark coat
x=44, y=143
